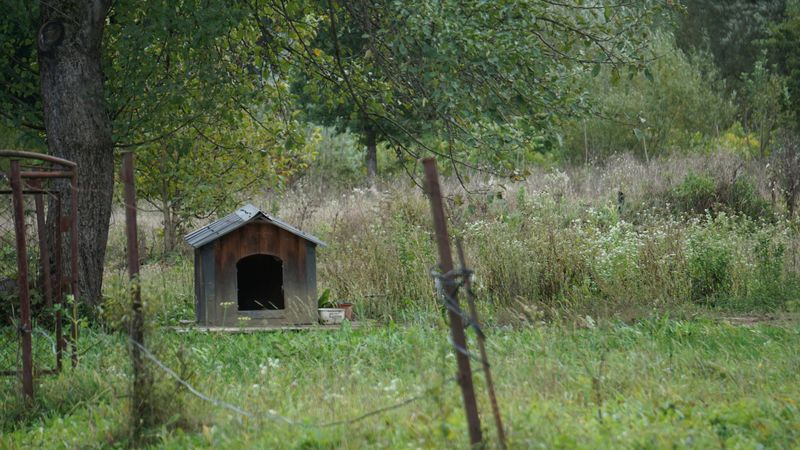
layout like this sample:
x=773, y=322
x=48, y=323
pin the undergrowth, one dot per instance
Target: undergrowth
x=688, y=233
x=534, y=251
x=575, y=284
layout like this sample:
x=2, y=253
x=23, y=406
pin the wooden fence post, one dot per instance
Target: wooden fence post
x=450, y=289
x=487, y=371
x=136, y=331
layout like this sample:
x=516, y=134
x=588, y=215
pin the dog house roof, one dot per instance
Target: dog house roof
x=237, y=219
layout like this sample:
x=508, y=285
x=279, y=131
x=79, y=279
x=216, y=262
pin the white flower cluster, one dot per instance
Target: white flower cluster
x=272, y=363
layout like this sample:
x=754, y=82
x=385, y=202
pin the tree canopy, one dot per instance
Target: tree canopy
x=218, y=88
x=476, y=82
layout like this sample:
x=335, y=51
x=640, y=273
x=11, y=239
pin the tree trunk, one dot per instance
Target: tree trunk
x=764, y=138
x=790, y=195
x=585, y=144
x=77, y=123
x=372, y=154
x=170, y=241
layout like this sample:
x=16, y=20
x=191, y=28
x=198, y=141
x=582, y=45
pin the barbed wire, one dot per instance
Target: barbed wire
x=455, y=279
x=274, y=416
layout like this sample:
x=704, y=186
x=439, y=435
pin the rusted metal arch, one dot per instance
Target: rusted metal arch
x=11, y=154
x=37, y=177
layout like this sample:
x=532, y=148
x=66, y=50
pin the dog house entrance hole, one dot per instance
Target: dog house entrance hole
x=259, y=280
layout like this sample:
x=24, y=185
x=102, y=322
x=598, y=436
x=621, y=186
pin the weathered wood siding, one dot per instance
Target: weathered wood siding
x=218, y=277
x=204, y=284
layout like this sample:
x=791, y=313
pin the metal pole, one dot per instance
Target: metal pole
x=44, y=251
x=139, y=399
x=473, y=311
x=44, y=260
x=456, y=324
x=22, y=280
x=73, y=250
x=59, y=284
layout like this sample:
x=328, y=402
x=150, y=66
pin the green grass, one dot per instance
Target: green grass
x=547, y=253
x=655, y=384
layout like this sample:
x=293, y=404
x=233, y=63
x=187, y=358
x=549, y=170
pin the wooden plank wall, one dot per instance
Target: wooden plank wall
x=206, y=284
x=263, y=238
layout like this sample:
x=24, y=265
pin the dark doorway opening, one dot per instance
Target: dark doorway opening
x=259, y=281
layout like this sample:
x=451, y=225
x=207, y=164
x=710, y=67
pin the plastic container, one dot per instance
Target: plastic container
x=331, y=316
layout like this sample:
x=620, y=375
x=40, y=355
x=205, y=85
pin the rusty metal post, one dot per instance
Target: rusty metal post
x=136, y=331
x=473, y=311
x=44, y=250
x=59, y=284
x=73, y=257
x=25, y=328
x=456, y=324
x=44, y=260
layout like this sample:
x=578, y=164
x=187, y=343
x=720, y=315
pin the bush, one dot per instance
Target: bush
x=743, y=197
x=167, y=294
x=710, y=268
x=696, y=194
x=786, y=171
x=699, y=194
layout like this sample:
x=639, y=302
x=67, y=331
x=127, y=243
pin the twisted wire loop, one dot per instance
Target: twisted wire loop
x=455, y=279
x=274, y=416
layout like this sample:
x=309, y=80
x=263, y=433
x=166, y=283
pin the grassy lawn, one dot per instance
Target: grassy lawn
x=656, y=384
x=543, y=266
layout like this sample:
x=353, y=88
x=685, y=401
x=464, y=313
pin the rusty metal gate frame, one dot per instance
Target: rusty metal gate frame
x=29, y=174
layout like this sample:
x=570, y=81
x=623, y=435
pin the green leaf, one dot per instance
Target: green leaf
x=648, y=74
x=615, y=76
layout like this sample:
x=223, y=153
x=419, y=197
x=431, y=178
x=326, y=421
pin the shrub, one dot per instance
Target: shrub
x=696, y=194
x=786, y=171
x=743, y=197
x=699, y=194
x=768, y=286
x=710, y=263
x=167, y=294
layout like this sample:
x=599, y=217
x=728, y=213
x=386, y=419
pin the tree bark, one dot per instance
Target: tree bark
x=170, y=241
x=372, y=154
x=77, y=123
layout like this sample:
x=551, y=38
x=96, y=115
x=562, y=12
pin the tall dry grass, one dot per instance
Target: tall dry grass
x=557, y=243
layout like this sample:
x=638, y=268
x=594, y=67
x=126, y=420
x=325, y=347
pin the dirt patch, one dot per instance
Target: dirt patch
x=765, y=319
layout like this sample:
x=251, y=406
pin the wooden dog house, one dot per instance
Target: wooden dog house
x=253, y=270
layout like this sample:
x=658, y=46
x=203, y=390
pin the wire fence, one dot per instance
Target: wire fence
x=275, y=416
x=46, y=344
x=44, y=352
x=447, y=284
x=455, y=278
